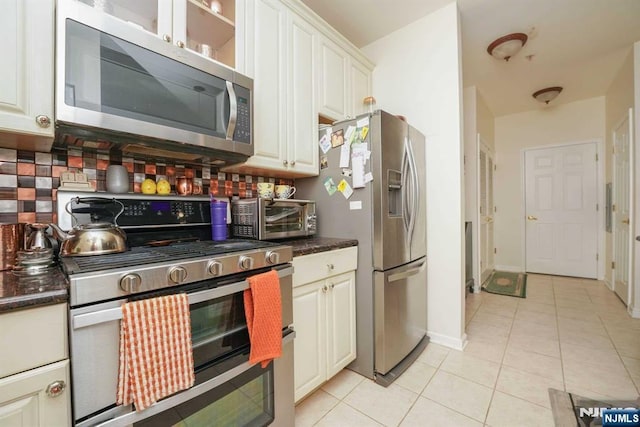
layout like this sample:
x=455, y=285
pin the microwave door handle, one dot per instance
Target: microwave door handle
x=233, y=110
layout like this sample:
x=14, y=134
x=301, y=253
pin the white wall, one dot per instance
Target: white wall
x=418, y=75
x=578, y=121
x=619, y=98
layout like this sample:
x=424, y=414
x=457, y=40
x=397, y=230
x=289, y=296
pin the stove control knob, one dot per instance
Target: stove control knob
x=272, y=257
x=177, y=275
x=245, y=262
x=130, y=283
x=215, y=268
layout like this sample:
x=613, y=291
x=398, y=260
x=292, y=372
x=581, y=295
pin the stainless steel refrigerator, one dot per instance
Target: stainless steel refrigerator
x=384, y=167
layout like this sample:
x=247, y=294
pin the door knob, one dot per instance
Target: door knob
x=532, y=218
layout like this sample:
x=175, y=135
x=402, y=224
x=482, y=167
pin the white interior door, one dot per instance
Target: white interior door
x=561, y=210
x=621, y=209
x=485, y=210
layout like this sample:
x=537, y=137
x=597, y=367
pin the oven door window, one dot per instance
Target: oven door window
x=218, y=328
x=109, y=75
x=283, y=218
x=246, y=400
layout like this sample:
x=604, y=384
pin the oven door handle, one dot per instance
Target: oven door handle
x=111, y=314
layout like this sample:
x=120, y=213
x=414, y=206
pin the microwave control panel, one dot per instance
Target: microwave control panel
x=242, y=132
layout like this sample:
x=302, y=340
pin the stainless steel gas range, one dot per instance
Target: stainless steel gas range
x=170, y=252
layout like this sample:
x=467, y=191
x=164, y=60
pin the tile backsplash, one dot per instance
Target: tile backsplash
x=29, y=180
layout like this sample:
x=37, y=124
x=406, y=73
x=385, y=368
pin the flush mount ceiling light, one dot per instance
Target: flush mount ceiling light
x=507, y=46
x=547, y=94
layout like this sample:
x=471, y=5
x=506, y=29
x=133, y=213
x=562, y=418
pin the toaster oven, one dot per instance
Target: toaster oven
x=269, y=219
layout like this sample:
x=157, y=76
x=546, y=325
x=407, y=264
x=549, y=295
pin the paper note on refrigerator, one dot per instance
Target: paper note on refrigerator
x=368, y=177
x=363, y=122
x=350, y=135
x=358, y=160
x=330, y=186
x=345, y=154
x=345, y=189
x=325, y=143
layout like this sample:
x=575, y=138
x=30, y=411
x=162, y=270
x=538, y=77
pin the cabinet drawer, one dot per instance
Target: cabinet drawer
x=32, y=338
x=313, y=267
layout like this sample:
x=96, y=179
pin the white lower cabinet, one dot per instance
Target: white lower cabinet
x=38, y=397
x=34, y=368
x=324, y=315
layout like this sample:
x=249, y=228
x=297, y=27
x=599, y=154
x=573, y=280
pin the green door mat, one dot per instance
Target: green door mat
x=505, y=283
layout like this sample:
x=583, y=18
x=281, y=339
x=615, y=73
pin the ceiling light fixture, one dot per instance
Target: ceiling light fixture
x=507, y=46
x=547, y=94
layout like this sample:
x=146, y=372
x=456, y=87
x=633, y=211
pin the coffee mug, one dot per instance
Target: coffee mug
x=265, y=190
x=285, y=191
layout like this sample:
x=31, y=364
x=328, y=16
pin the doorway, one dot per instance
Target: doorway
x=486, y=208
x=561, y=210
x=621, y=208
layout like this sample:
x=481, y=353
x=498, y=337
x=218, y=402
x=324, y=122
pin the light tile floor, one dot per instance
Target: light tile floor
x=569, y=334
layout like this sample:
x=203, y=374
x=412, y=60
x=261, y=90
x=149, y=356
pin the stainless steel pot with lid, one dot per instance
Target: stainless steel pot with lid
x=96, y=238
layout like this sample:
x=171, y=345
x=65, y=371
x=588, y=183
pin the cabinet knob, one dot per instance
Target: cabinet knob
x=43, y=121
x=325, y=289
x=56, y=388
x=332, y=286
x=284, y=162
x=330, y=266
x=167, y=38
x=293, y=162
x=180, y=44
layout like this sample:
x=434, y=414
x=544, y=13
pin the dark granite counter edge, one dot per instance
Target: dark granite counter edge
x=314, y=245
x=46, y=298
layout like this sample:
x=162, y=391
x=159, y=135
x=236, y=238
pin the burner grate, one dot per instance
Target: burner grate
x=144, y=255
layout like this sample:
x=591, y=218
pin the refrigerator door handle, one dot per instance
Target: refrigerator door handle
x=406, y=274
x=405, y=179
x=414, y=189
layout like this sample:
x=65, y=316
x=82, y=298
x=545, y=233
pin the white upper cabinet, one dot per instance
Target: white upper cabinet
x=206, y=27
x=334, y=78
x=344, y=82
x=302, y=156
x=360, y=87
x=301, y=68
x=26, y=75
x=279, y=54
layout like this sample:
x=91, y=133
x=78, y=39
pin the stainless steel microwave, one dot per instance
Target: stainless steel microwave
x=271, y=219
x=117, y=82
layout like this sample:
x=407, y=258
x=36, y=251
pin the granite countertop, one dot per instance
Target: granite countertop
x=17, y=292
x=312, y=245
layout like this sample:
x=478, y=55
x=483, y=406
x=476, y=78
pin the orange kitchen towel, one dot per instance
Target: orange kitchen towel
x=263, y=310
x=156, y=358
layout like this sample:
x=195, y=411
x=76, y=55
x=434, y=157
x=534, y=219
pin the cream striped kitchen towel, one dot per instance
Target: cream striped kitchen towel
x=156, y=357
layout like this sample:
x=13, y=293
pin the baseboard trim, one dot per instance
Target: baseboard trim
x=608, y=284
x=509, y=268
x=448, y=341
x=634, y=312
